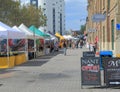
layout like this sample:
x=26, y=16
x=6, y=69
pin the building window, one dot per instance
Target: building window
x=112, y=33
x=44, y=9
x=34, y=3
x=103, y=1
x=54, y=31
x=44, y=3
x=45, y=15
x=108, y=4
x=104, y=36
x=60, y=23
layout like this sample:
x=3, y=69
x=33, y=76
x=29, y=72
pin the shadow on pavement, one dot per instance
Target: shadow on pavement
x=41, y=60
x=106, y=87
x=3, y=71
x=50, y=76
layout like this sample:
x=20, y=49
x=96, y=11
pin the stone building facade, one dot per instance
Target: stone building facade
x=106, y=31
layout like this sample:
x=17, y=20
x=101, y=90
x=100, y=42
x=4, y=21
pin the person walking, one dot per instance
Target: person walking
x=95, y=46
x=81, y=43
x=65, y=47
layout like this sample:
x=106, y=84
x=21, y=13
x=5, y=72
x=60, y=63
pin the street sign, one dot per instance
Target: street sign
x=118, y=26
x=98, y=17
x=92, y=30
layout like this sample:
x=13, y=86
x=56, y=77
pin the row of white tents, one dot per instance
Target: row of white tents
x=21, y=32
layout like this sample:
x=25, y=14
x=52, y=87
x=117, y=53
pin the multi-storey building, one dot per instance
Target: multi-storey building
x=106, y=30
x=54, y=10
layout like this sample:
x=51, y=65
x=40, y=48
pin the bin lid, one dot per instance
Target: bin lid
x=106, y=53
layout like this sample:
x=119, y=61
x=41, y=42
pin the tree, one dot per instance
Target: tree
x=12, y=13
x=83, y=28
x=30, y=15
x=6, y=9
x=14, y=16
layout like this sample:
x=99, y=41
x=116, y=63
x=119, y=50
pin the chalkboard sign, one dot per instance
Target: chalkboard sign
x=90, y=71
x=112, y=70
x=89, y=54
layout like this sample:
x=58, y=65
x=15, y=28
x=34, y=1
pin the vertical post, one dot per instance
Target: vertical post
x=34, y=44
x=26, y=49
x=8, y=49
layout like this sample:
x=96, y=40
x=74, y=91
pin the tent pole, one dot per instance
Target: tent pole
x=34, y=45
x=26, y=49
x=8, y=50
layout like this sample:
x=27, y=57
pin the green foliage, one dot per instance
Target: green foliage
x=13, y=14
x=7, y=6
x=83, y=28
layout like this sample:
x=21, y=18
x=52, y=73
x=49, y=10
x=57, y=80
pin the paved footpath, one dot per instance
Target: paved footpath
x=47, y=74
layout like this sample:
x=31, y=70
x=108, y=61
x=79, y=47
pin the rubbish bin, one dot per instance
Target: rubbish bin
x=104, y=54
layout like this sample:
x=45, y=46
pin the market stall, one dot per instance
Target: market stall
x=39, y=45
x=7, y=34
x=20, y=55
x=30, y=46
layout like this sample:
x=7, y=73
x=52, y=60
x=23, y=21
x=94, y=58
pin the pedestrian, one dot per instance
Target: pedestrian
x=65, y=47
x=81, y=43
x=95, y=47
x=91, y=47
x=70, y=44
x=73, y=45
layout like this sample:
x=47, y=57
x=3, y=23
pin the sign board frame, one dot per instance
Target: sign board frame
x=90, y=71
x=89, y=54
x=112, y=70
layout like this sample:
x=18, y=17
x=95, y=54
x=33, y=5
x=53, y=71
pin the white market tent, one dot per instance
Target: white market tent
x=52, y=37
x=8, y=32
x=28, y=33
x=21, y=32
x=68, y=37
x=24, y=29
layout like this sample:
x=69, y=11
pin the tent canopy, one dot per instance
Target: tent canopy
x=8, y=32
x=37, y=31
x=53, y=37
x=28, y=33
x=21, y=32
x=60, y=36
x=68, y=37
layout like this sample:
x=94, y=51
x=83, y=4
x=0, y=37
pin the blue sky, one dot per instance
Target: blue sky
x=75, y=12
